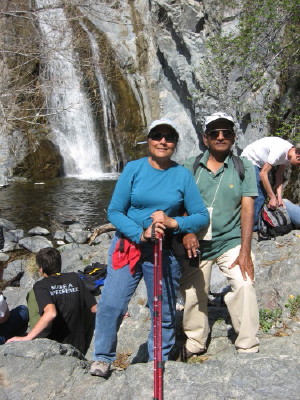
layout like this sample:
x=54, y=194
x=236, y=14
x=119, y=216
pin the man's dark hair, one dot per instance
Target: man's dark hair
x=49, y=259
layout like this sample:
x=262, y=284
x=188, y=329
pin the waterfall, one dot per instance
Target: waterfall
x=108, y=108
x=68, y=107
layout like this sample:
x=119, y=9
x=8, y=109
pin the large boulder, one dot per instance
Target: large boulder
x=43, y=369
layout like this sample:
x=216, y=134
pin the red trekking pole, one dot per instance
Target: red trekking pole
x=157, y=318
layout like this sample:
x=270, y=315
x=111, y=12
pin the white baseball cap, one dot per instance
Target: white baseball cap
x=215, y=117
x=162, y=121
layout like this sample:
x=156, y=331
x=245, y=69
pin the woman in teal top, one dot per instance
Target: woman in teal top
x=151, y=190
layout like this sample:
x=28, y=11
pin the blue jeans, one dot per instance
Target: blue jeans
x=118, y=289
x=293, y=211
x=260, y=199
x=15, y=325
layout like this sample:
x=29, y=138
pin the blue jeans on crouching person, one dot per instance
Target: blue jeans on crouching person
x=294, y=212
x=260, y=199
x=118, y=289
x=16, y=324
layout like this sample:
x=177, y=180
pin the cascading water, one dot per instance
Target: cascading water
x=108, y=109
x=69, y=109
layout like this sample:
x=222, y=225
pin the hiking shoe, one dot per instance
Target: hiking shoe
x=100, y=368
x=185, y=354
x=251, y=350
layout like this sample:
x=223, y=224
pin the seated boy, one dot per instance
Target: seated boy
x=65, y=305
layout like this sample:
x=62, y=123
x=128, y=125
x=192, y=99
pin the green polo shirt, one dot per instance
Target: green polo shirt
x=225, y=190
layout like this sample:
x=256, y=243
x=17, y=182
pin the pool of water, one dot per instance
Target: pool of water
x=50, y=203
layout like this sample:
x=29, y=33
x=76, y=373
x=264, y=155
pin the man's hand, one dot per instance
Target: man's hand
x=280, y=202
x=17, y=339
x=273, y=203
x=191, y=244
x=244, y=261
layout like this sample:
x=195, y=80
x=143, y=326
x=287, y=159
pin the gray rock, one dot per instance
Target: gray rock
x=15, y=296
x=59, y=235
x=271, y=374
x=80, y=237
x=10, y=246
x=3, y=257
x=13, y=269
x=70, y=261
x=69, y=238
x=28, y=280
x=77, y=256
x=218, y=282
x=14, y=235
x=35, y=243
x=7, y=225
x=223, y=374
x=134, y=331
x=105, y=238
x=39, y=231
x=78, y=226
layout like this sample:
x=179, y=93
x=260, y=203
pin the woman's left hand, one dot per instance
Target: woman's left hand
x=160, y=216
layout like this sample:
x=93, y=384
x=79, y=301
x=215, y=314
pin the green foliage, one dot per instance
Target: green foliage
x=293, y=304
x=287, y=130
x=265, y=41
x=268, y=318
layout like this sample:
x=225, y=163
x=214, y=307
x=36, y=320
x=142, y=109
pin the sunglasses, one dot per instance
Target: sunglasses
x=169, y=137
x=227, y=133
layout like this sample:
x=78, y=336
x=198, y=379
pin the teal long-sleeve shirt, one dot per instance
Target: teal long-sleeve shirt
x=142, y=189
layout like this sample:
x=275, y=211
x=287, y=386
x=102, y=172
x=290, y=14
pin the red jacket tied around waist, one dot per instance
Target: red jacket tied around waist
x=126, y=253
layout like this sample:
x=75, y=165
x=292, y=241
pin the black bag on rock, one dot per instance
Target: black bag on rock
x=273, y=223
x=93, y=276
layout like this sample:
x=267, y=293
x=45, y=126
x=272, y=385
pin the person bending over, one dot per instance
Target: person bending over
x=265, y=154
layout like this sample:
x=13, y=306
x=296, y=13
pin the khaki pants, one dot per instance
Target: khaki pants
x=241, y=302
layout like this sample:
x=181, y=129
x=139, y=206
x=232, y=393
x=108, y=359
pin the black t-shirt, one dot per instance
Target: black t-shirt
x=73, y=304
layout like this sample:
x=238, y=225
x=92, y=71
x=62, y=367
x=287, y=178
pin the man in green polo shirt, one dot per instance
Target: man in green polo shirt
x=229, y=197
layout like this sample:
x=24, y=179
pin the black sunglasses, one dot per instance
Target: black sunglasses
x=227, y=133
x=170, y=137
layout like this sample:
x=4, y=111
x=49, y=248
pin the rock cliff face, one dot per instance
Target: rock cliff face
x=134, y=61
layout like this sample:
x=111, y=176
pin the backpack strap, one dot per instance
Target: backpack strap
x=196, y=163
x=239, y=166
x=237, y=162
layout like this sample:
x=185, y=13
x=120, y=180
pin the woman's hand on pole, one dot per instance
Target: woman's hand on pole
x=160, y=217
x=159, y=230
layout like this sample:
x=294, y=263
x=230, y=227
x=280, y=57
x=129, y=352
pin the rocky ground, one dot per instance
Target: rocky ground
x=45, y=369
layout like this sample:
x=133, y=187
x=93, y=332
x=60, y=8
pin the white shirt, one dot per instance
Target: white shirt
x=3, y=306
x=271, y=149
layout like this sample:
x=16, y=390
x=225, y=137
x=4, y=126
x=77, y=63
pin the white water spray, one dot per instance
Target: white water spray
x=70, y=112
x=108, y=109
